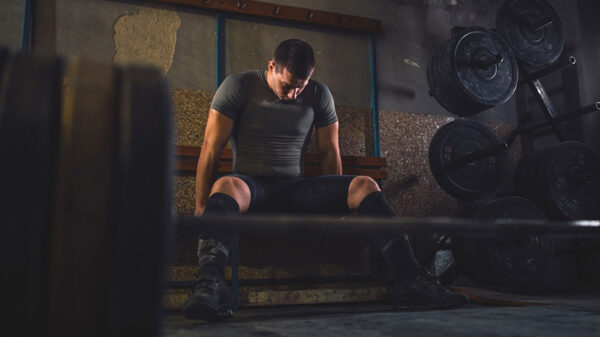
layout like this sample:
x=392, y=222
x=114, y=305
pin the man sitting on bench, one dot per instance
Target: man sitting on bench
x=269, y=116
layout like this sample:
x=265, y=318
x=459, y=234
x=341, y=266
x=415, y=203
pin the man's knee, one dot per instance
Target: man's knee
x=234, y=187
x=359, y=188
x=362, y=185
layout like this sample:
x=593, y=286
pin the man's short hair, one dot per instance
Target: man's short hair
x=295, y=55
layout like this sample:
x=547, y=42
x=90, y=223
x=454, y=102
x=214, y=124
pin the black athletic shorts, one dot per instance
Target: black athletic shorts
x=305, y=195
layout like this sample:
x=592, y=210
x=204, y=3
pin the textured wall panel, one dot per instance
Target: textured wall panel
x=410, y=187
x=355, y=133
x=184, y=194
x=191, y=111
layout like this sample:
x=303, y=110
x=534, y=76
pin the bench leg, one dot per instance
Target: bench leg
x=235, y=264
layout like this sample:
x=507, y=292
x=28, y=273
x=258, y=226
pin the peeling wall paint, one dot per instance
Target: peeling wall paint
x=412, y=63
x=148, y=36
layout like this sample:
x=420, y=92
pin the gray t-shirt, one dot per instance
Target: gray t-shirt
x=269, y=135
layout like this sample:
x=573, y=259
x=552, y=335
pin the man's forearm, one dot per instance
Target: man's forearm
x=206, y=171
x=331, y=163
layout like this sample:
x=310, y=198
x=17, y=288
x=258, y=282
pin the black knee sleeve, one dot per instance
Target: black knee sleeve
x=214, y=245
x=375, y=204
x=223, y=204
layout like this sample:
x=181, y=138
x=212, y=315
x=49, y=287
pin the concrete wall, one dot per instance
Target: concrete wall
x=12, y=15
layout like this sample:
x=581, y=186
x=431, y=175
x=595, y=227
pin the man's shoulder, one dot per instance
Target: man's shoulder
x=241, y=82
x=320, y=87
x=248, y=76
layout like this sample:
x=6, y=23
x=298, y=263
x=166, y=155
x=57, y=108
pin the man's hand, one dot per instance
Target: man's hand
x=217, y=133
x=199, y=210
x=327, y=138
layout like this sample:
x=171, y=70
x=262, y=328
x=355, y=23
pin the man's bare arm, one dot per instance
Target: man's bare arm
x=217, y=133
x=327, y=137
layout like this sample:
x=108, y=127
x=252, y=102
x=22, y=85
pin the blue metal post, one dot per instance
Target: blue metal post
x=26, y=42
x=235, y=265
x=374, y=105
x=220, y=48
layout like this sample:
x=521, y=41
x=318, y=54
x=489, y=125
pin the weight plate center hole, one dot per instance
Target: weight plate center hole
x=488, y=73
x=465, y=148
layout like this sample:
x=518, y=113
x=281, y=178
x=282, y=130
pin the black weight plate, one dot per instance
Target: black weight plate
x=518, y=260
x=572, y=181
x=29, y=121
x=454, y=140
x=493, y=85
x=525, y=25
x=144, y=200
x=468, y=260
x=461, y=86
x=84, y=215
x=564, y=179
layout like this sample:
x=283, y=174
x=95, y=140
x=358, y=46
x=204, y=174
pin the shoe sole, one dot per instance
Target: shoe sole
x=205, y=311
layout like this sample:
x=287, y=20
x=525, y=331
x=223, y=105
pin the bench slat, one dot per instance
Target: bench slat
x=374, y=167
x=194, y=151
x=188, y=167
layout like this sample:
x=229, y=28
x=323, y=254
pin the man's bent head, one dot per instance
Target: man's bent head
x=295, y=55
x=290, y=69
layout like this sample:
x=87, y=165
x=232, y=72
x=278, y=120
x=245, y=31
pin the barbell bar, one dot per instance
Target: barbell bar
x=360, y=226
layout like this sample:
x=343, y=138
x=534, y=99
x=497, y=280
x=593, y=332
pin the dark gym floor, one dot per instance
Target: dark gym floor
x=577, y=315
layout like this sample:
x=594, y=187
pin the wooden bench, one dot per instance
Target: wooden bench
x=186, y=163
x=374, y=167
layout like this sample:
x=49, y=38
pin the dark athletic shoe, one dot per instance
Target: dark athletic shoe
x=423, y=292
x=209, y=299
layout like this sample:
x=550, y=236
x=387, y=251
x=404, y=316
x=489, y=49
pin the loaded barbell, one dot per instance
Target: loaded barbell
x=467, y=160
x=533, y=30
x=452, y=166
x=517, y=260
x=564, y=179
x=477, y=68
x=472, y=71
